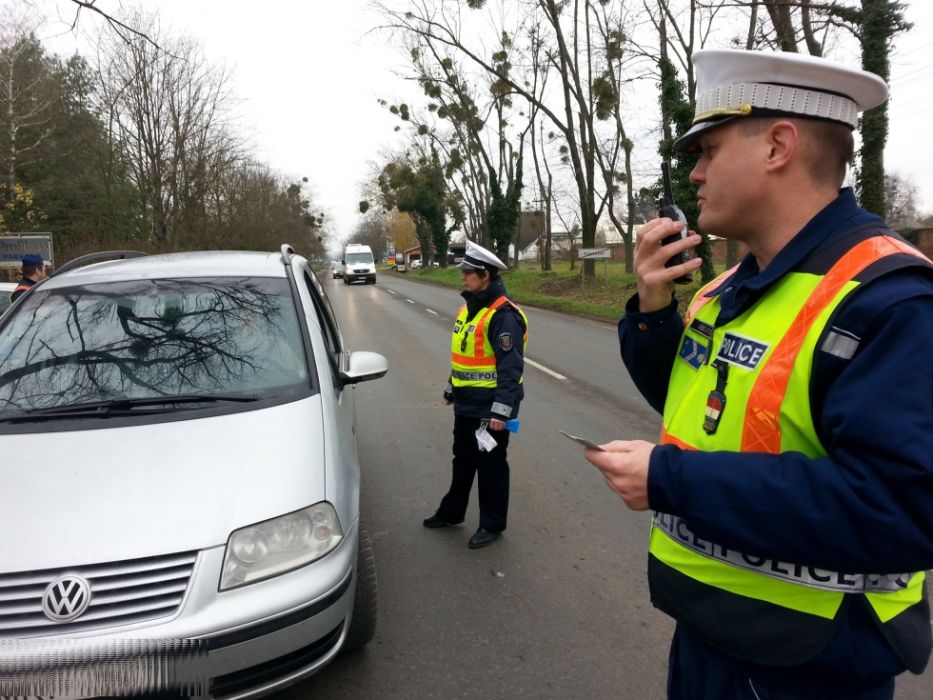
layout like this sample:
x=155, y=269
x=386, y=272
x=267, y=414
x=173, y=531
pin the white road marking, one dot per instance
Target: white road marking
x=409, y=301
x=431, y=311
x=390, y=291
x=544, y=369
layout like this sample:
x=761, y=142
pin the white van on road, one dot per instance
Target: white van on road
x=358, y=264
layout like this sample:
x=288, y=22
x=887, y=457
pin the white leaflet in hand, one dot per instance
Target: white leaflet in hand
x=486, y=442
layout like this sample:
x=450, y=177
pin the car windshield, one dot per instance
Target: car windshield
x=359, y=257
x=144, y=339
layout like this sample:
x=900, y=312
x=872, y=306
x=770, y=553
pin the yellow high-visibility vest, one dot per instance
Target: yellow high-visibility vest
x=754, y=608
x=472, y=358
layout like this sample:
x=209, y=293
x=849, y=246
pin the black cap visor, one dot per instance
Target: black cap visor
x=688, y=142
x=464, y=265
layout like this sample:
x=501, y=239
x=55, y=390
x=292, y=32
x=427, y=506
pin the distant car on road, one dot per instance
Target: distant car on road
x=336, y=268
x=178, y=431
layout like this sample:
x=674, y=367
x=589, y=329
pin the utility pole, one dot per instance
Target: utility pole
x=544, y=237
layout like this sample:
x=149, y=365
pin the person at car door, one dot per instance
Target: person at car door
x=485, y=387
x=793, y=484
x=33, y=272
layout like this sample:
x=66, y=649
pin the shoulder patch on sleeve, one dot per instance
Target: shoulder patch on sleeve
x=505, y=341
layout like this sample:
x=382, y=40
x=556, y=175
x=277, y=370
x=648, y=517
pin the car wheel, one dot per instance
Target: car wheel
x=365, y=608
x=346, y=280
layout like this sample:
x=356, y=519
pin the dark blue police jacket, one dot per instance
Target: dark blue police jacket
x=867, y=506
x=23, y=282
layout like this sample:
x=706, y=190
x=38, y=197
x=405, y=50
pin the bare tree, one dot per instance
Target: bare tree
x=901, y=196
x=574, y=54
x=123, y=30
x=170, y=111
x=373, y=231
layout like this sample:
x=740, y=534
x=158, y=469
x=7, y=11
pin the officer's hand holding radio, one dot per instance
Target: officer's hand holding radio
x=662, y=251
x=655, y=280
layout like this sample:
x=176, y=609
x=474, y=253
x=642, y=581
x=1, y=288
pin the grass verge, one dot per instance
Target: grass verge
x=601, y=297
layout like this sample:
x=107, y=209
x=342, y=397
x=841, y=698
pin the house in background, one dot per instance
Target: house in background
x=561, y=244
x=455, y=253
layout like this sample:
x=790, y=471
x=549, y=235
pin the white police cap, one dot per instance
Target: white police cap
x=732, y=83
x=478, y=258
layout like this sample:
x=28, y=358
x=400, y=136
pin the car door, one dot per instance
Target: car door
x=337, y=399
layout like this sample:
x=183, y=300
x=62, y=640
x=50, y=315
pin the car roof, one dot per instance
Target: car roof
x=214, y=263
x=10, y=286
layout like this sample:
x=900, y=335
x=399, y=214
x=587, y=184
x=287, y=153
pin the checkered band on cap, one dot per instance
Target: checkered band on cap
x=741, y=98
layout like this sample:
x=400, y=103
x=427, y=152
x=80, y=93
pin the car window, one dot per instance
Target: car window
x=359, y=258
x=326, y=320
x=6, y=289
x=151, y=338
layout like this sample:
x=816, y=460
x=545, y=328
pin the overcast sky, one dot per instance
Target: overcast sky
x=308, y=75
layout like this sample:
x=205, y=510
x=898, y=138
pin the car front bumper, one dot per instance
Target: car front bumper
x=241, y=643
x=354, y=276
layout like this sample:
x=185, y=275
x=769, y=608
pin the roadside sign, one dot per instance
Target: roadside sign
x=13, y=246
x=594, y=253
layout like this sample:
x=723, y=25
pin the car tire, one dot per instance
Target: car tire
x=346, y=280
x=365, y=605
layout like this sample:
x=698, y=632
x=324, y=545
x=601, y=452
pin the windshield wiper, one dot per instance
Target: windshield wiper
x=123, y=407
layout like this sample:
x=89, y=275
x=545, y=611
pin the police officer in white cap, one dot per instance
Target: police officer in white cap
x=793, y=482
x=485, y=388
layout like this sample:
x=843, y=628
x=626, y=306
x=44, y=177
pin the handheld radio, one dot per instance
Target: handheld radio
x=666, y=207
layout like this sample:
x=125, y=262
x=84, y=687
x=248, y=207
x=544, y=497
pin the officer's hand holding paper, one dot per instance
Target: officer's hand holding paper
x=582, y=441
x=624, y=464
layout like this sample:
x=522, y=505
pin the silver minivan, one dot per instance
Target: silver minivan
x=181, y=479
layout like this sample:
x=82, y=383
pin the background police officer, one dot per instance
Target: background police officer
x=795, y=459
x=485, y=387
x=33, y=272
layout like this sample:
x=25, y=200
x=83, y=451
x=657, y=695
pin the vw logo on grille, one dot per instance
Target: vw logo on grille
x=66, y=598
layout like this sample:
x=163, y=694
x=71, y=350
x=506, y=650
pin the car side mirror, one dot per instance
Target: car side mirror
x=364, y=366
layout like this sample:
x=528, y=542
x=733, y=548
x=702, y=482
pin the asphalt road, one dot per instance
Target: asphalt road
x=558, y=607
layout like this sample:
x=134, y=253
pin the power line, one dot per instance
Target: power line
x=919, y=69
x=900, y=105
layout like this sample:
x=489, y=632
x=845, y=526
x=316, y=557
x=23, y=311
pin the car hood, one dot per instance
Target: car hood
x=93, y=496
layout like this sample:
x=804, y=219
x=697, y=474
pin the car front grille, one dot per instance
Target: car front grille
x=122, y=593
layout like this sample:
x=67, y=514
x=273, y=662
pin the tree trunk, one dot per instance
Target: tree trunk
x=783, y=24
x=878, y=28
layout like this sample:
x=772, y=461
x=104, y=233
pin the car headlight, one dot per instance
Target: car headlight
x=281, y=544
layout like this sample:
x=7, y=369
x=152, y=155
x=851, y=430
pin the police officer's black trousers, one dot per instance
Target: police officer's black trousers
x=695, y=672
x=492, y=470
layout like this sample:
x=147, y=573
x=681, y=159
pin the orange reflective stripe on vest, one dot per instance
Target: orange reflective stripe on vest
x=480, y=358
x=668, y=439
x=762, y=430
x=701, y=300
